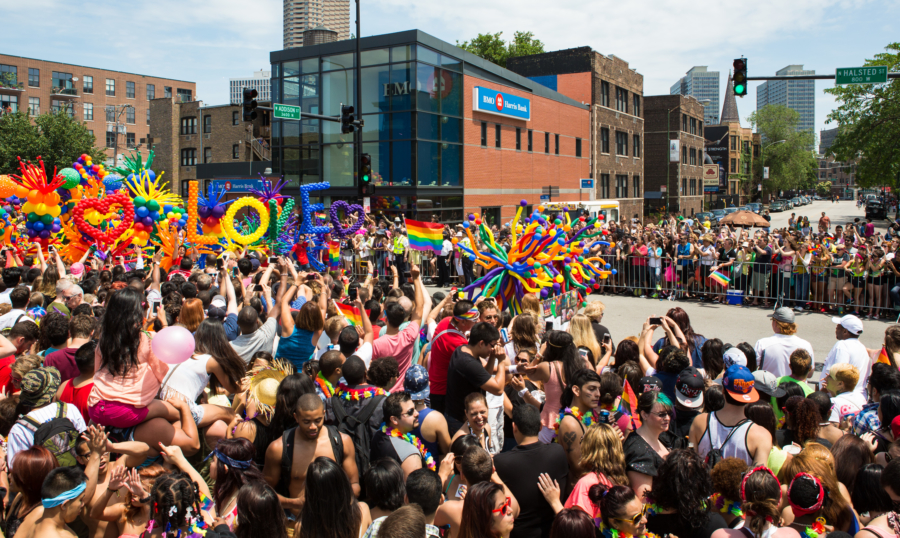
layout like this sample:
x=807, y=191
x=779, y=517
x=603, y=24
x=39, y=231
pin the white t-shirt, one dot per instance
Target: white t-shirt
x=9, y=319
x=654, y=254
x=21, y=438
x=262, y=339
x=846, y=403
x=4, y=296
x=773, y=353
x=851, y=351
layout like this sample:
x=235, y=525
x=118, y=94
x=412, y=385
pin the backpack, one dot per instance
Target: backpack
x=58, y=435
x=287, y=456
x=715, y=455
x=357, y=428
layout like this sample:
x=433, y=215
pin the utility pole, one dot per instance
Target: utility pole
x=117, y=112
x=762, y=165
x=669, y=162
x=357, y=137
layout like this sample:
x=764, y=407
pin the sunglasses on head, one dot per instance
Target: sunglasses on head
x=504, y=508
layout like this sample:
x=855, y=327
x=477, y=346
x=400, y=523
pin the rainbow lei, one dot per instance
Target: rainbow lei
x=588, y=419
x=414, y=441
x=816, y=528
x=324, y=385
x=725, y=506
x=613, y=533
x=346, y=393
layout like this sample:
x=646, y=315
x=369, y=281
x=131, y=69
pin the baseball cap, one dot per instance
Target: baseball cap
x=76, y=269
x=254, y=263
x=39, y=386
x=216, y=312
x=734, y=356
x=783, y=314
x=689, y=388
x=851, y=323
x=767, y=384
x=739, y=383
x=415, y=382
x=219, y=301
x=459, y=234
x=648, y=383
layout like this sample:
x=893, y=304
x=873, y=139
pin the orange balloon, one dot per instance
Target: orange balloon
x=7, y=187
x=21, y=192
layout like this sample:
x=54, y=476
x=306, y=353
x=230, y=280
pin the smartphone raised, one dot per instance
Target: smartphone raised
x=655, y=321
x=504, y=335
x=606, y=338
x=258, y=287
x=548, y=327
x=273, y=259
x=220, y=263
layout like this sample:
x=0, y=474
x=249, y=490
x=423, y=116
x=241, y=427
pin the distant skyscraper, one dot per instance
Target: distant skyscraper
x=826, y=139
x=799, y=95
x=701, y=84
x=300, y=15
x=261, y=82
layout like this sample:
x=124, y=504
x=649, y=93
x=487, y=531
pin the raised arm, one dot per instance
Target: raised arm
x=287, y=320
x=420, y=293
x=368, y=332
x=60, y=266
x=230, y=297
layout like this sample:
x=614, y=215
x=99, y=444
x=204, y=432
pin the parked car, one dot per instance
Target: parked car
x=730, y=210
x=787, y=204
x=797, y=202
x=719, y=214
x=875, y=210
x=756, y=208
x=777, y=205
x=701, y=217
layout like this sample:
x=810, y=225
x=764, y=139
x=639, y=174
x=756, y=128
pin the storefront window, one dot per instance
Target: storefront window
x=309, y=163
x=309, y=131
x=276, y=70
x=401, y=74
x=291, y=164
x=426, y=98
x=309, y=65
x=276, y=133
x=338, y=61
x=403, y=53
x=338, y=165
x=428, y=126
x=276, y=90
x=451, y=93
x=451, y=164
x=291, y=69
x=402, y=163
x=381, y=161
x=309, y=93
x=448, y=62
x=428, y=55
x=337, y=88
x=374, y=57
x=292, y=91
x=377, y=127
x=428, y=164
x=451, y=129
x=401, y=125
x=291, y=132
x=377, y=89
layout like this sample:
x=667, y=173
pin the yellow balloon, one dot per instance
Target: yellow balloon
x=228, y=220
x=55, y=211
x=28, y=207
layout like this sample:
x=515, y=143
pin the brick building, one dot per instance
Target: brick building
x=89, y=94
x=187, y=136
x=678, y=185
x=839, y=173
x=615, y=94
x=449, y=133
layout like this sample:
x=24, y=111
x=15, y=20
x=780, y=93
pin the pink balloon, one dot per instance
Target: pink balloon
x=173, y=345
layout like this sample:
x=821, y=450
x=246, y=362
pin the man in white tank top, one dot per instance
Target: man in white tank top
x=749, y=442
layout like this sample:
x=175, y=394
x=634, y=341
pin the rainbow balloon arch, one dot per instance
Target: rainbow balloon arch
x=544, y=257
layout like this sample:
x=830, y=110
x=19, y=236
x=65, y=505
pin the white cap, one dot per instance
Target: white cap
x=851, y=323
x=734, y=355
x=459, y=234
x=219, y=301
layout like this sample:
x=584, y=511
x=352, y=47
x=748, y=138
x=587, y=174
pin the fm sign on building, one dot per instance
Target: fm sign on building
x=501, y=104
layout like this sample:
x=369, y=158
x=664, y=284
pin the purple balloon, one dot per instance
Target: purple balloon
x=218, y=211
x=339, y=230
x=56, y=228
x=45, y=234
x=203, y=211
x=544, y=293
x=147, y=221
x=31, y=233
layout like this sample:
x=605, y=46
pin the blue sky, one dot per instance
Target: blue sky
x=210, y=41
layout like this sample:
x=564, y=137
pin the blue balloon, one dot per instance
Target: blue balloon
x=142, y=212
x=154, y=215
x=167, y=208
x=37, y=226
x=28, y=224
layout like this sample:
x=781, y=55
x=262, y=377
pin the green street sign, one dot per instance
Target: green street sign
x=875, y=74
x=286, y=112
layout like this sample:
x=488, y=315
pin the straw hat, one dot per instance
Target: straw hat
x=264, y=386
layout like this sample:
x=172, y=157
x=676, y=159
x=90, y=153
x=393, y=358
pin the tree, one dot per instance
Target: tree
x=790, y=163
x=868, y=119
x=823, y=188
x=59, y=139
x=493, y=49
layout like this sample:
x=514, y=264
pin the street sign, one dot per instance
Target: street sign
x=765, y=172
x=662, y=188
x=587, y=183
x=759, y=187
x=674, y=151
x=875, y=74
x=286, y=112
x=545, y=197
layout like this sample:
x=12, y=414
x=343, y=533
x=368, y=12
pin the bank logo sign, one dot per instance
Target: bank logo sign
x=502, y=104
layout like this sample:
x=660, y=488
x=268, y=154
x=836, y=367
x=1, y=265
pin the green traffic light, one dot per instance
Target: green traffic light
x=365, y=179
x=739, y=88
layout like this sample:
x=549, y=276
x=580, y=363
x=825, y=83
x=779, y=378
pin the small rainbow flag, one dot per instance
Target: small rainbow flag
x=334, y=254
x=883, y=356
x=425, y=235
x=628, y=405
x=720, y=278
x=351, y=313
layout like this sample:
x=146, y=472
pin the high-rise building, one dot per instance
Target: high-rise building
x=701, y=84
x=261, y=82
x=301, y=15
x=826, y=139
x=799, y=95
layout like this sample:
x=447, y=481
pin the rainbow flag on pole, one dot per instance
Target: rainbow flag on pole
x=425, y=235
x=351, y=313
x=628, y=405
x=334, y=254
x=720, y=278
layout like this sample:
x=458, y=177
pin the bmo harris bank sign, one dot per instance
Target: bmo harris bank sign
x=502, y=104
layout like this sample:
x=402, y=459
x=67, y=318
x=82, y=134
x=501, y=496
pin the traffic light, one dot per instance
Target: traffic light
x=249, y=104
x=740, y=77
x=347, y=125
x=366, y=187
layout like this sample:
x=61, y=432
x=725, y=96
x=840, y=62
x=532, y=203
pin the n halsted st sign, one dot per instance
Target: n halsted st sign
x=501, y=104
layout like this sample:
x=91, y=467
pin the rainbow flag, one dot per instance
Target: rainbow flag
x=883, y=356
x=351, y=313
x=720, y=278
x=334, y=254
x=425, y=235
x=628, y=405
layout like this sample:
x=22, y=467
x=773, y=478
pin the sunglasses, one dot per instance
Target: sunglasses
x=409, y=413
x=636, y=519
x=504, y=509
x=663, y=414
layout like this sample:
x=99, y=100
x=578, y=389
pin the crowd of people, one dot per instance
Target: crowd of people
x=316, y=405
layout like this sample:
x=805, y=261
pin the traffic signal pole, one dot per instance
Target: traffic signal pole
x=357, y=137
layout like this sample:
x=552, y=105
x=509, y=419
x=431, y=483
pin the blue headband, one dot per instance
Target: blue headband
x=237, y=464
x=64, y=496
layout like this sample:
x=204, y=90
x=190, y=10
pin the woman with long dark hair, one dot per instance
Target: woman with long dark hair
x=572, y=523
x=261, y=513
x=231, y=468
x=680, y=491
x=694, y=341
x=801, y=422
x=868, y=496
x=487, y=512
x=330, y=510
x=852, y=453
x=644, y=453
x=385, y=487
x=559, y=362
x=761, y=413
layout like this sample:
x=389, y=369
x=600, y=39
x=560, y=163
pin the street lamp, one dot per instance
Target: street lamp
x=762, y=164
x=117, y=112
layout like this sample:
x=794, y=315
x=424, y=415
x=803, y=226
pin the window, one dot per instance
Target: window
x=557, y=144
x=168, y=91
x=621, y=186
x=700, y=156
x=604, y=94
x=547, y=143
x=693, y=126
x=684, y=122
x=110, y=114
x=621, y=143
x=235, y=118
x=129, y=115
x=184, y=96
x=497, y=135
x=700, y=131
x=88, y=111
x=693, y=157
x=746, y=146
x=621, y=100
x=693, y=186
x=34, y=77
x=236, y=151
x=636, y=104
x=207, y=155
x=636, y=187
x=9, y=74
x=604, y=186
x=207, y=124
x=129, y=140
x=110, y=87
x=518, y=139
x=684, y=186
x=733, y=166
x=88, y=84
x=756, y=150
x=733, y=143
x=188, y=126
x=61, y=82
x=578, y=147
x=110, y=139
x=636, y=145
x=604, y=140
x=188, y=157
x=148, y=116
x=151, y=91
x=129, y=90
x=684, y=155
x=484, y=134
x=530, y=139
x=34, y=106
x=66, y=107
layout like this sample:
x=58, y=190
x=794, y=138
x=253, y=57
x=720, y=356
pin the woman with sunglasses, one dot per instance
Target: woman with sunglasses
x=489, y=511
x=477, y=423
x=623, y=515
x=644, y=453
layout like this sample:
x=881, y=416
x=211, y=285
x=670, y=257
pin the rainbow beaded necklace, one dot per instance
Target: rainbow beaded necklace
x=414, y=441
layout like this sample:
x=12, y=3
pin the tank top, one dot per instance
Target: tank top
x=77, y=397
x=187, y=379
x=553, y=390
x=417, y=431
x=715, y=434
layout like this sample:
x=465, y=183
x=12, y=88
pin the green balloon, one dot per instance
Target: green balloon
x=153, y=205
x=33, y=217
x=47, y=219
x=73, y=178
x=139, y=201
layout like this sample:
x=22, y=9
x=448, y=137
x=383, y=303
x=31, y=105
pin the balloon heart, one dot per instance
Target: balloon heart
x=339, y=230
x=103, y=207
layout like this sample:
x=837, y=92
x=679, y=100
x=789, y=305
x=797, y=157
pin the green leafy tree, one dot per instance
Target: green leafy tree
x=59, y=139
x=791, y=163
x=868, y=118
x=492, y=48
x=823, y=188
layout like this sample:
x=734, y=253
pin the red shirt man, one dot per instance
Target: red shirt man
x=449, y=334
